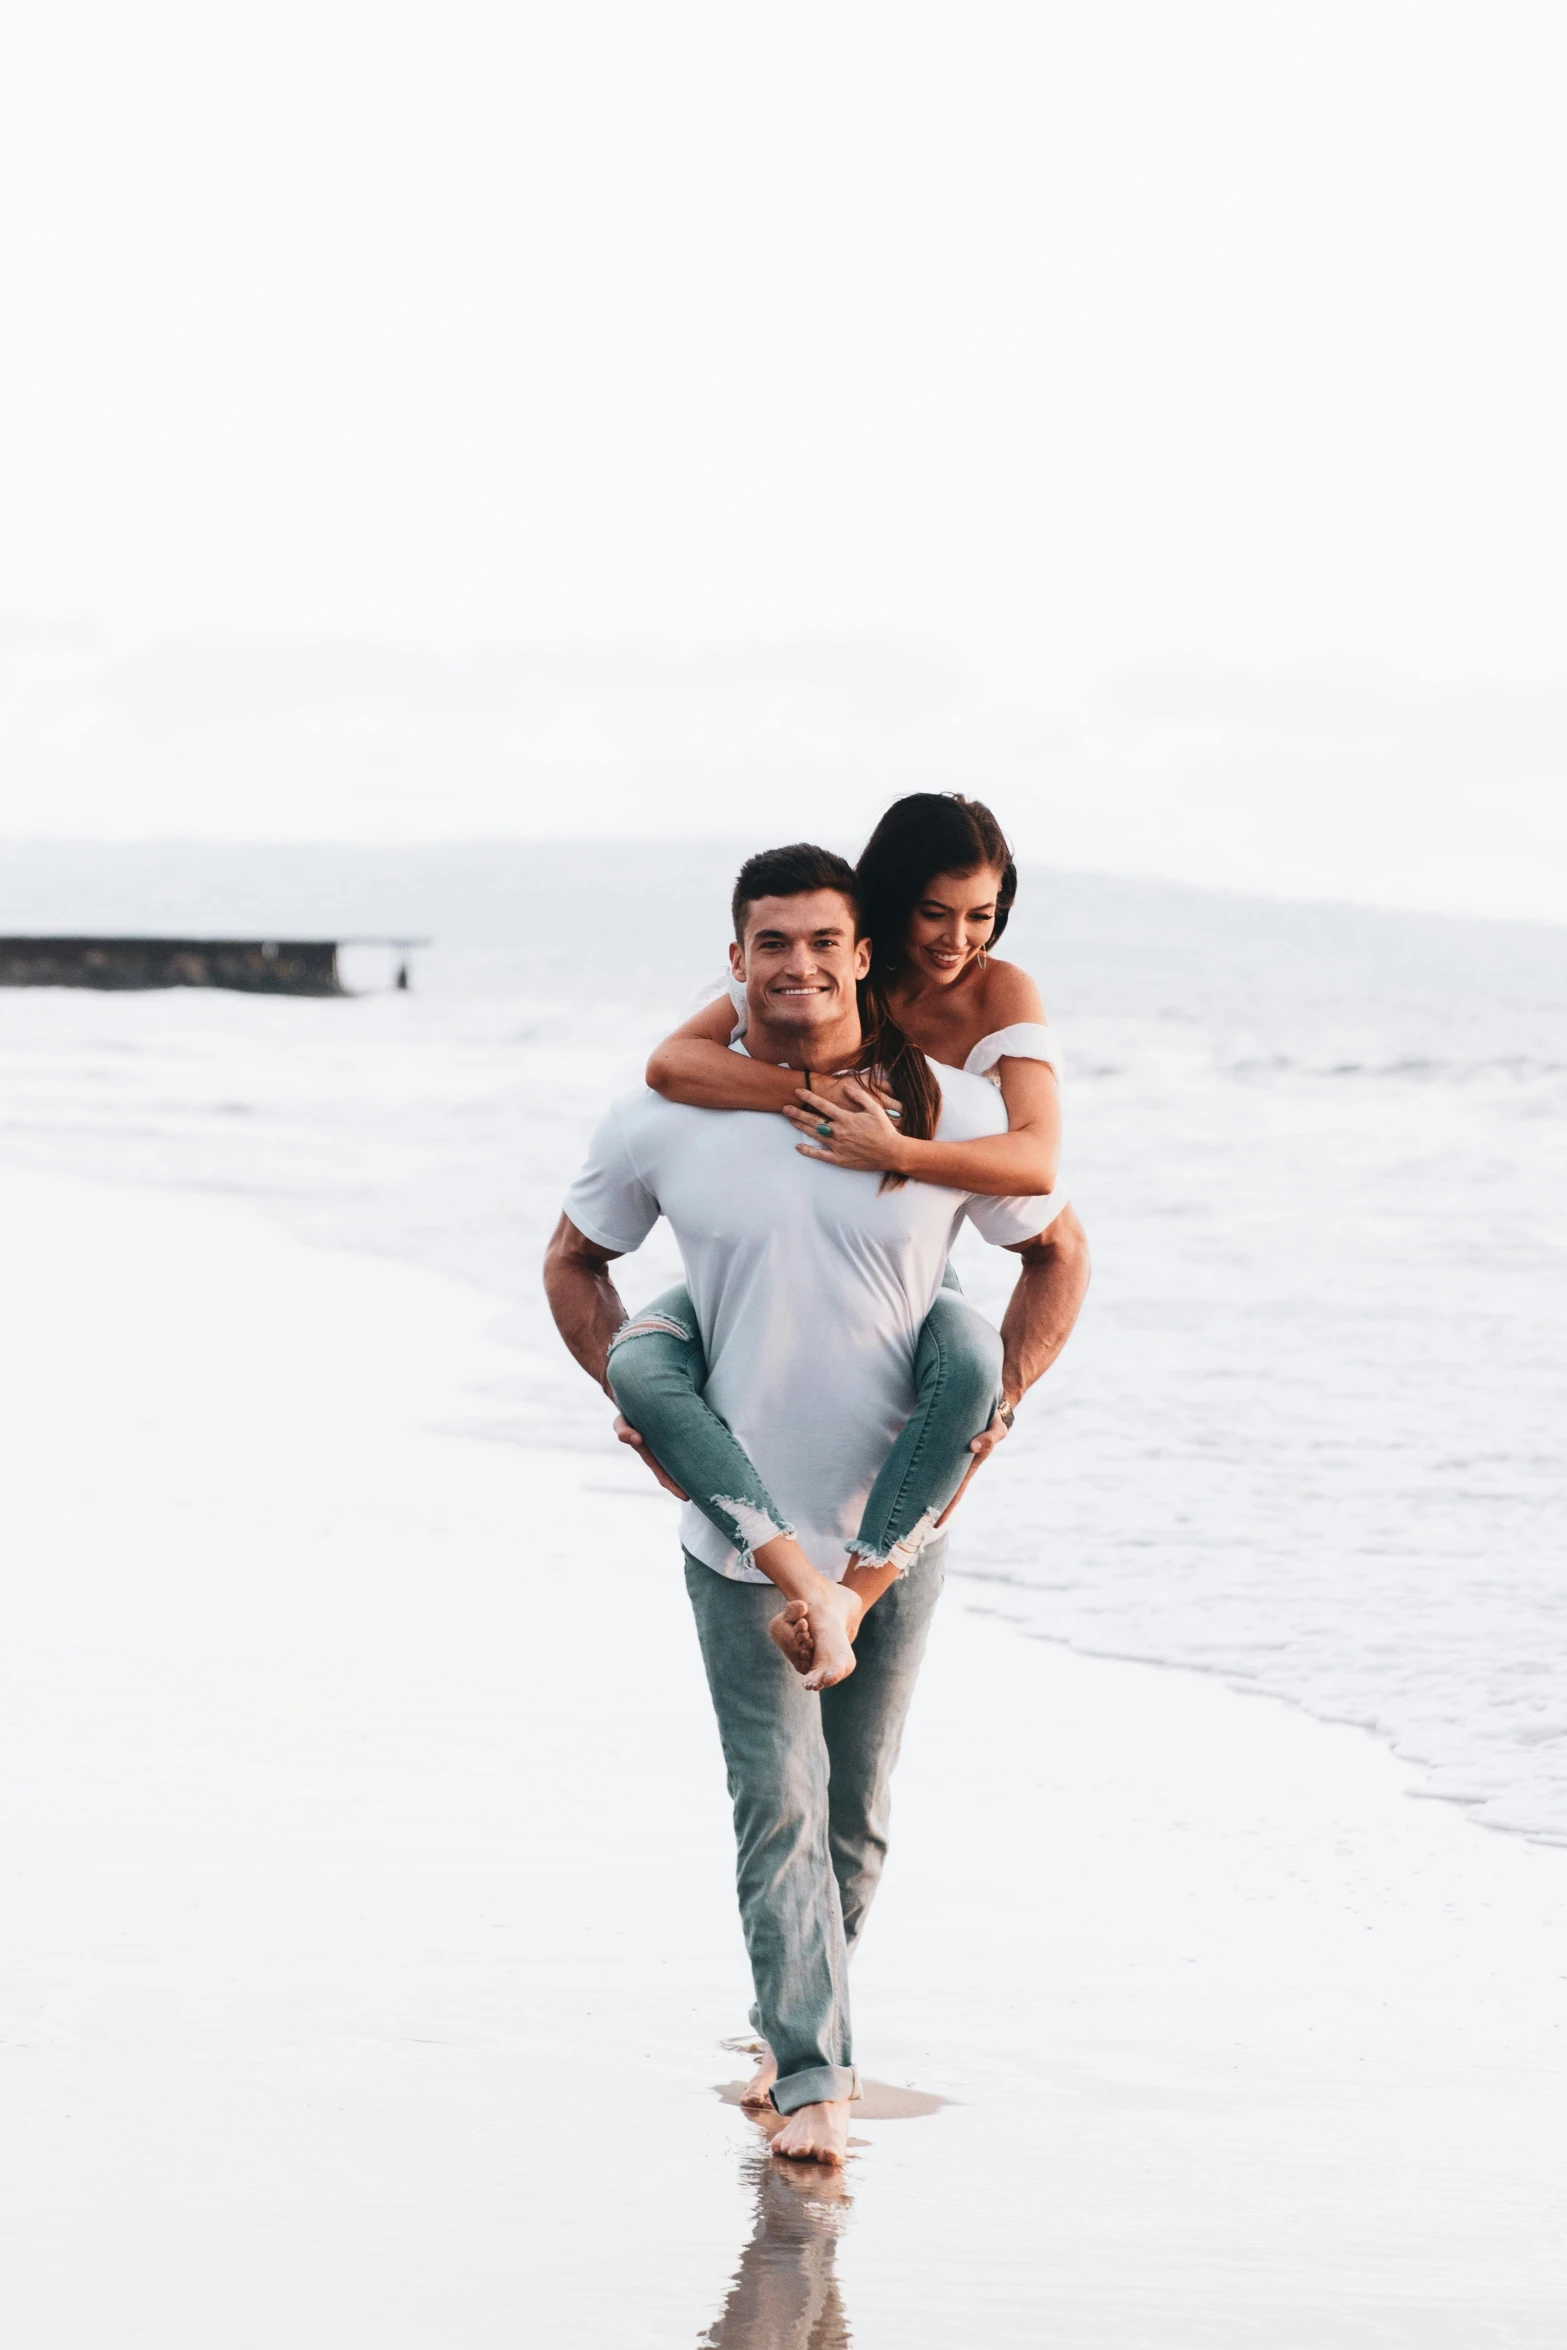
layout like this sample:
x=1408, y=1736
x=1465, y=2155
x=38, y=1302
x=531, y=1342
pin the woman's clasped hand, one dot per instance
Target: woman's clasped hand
x=860, y=1132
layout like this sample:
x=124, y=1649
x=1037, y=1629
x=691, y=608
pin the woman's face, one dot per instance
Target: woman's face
x=952, y=919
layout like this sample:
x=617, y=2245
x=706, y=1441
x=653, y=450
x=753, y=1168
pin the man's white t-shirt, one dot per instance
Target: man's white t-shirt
x=809, y=1282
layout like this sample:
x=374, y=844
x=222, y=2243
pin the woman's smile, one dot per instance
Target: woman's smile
x=952, y=923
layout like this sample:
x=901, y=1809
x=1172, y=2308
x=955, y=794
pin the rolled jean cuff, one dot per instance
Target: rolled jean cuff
x=819, y=2086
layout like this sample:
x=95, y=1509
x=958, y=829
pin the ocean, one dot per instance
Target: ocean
x=1308, y=1435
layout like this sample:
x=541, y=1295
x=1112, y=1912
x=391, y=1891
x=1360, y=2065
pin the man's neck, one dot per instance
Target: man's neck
x=837, y=1047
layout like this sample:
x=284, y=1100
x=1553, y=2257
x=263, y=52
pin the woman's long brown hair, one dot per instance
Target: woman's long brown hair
x=886, y=1049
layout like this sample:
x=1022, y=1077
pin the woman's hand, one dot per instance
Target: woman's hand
x=836, y=1092
x=860, y=1135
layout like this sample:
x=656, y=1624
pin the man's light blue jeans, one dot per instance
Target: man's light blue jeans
x=810, y=1778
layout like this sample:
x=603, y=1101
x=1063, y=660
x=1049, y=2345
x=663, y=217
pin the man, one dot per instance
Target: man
x=810, y=1285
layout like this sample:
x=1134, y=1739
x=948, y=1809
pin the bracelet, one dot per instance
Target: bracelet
x=1006, y=1413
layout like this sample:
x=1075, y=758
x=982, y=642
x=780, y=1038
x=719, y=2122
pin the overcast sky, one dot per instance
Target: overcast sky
x=428, y=421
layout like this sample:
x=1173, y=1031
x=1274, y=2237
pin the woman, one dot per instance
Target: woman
x=937, y=882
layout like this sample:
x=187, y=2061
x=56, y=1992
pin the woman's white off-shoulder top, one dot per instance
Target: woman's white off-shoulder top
x=1025, y=1040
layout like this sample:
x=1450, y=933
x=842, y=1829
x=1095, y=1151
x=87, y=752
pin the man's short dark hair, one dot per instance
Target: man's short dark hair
x=792, y=873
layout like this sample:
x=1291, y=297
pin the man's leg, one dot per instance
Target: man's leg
x=771, y=1728
x=862, y=1721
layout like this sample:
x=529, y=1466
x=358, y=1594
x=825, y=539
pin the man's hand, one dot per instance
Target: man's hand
x=986, y=1441
x=983, y=1445
x=628, y=1435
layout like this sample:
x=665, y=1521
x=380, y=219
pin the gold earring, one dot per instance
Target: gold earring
x=983, y=958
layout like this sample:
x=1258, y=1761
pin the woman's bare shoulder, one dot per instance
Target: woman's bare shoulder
x=1008, y=996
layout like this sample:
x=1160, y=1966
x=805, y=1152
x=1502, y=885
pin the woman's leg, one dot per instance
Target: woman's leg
x=958, y=1375
x=656, y=1371
x=957, y=1372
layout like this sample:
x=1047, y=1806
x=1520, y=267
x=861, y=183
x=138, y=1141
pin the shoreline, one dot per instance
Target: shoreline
x=374, y=1948
x=1228, y=1677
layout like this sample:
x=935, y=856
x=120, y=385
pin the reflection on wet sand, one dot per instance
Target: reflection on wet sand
x=785, y=2292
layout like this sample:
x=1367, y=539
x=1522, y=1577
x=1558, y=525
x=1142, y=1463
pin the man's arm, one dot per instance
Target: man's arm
x=588, y=1312
x=583, y=1299
x=1040, y=1316
x=1044, y=1307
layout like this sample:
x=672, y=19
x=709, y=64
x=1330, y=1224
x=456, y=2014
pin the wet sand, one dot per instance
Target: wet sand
x=371, y=1955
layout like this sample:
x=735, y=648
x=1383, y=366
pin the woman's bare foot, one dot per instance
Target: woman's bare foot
x=815, y=2133
x=834, y=1617
x=759, y=2089
x=818, y=1636
x=829, y=1611
x=792, y=1631
x=819, y=1641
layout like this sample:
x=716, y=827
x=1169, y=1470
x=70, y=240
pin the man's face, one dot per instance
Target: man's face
x=800, y=961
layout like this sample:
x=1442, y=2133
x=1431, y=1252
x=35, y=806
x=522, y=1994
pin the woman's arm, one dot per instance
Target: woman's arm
x=1020, y=1163
x=696, y=1066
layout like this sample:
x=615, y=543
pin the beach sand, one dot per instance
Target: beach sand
x=370, y=1946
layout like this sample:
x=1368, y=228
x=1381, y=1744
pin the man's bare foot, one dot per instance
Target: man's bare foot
x=815, y=2133
x=759, y=2089
x=792, y=1631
